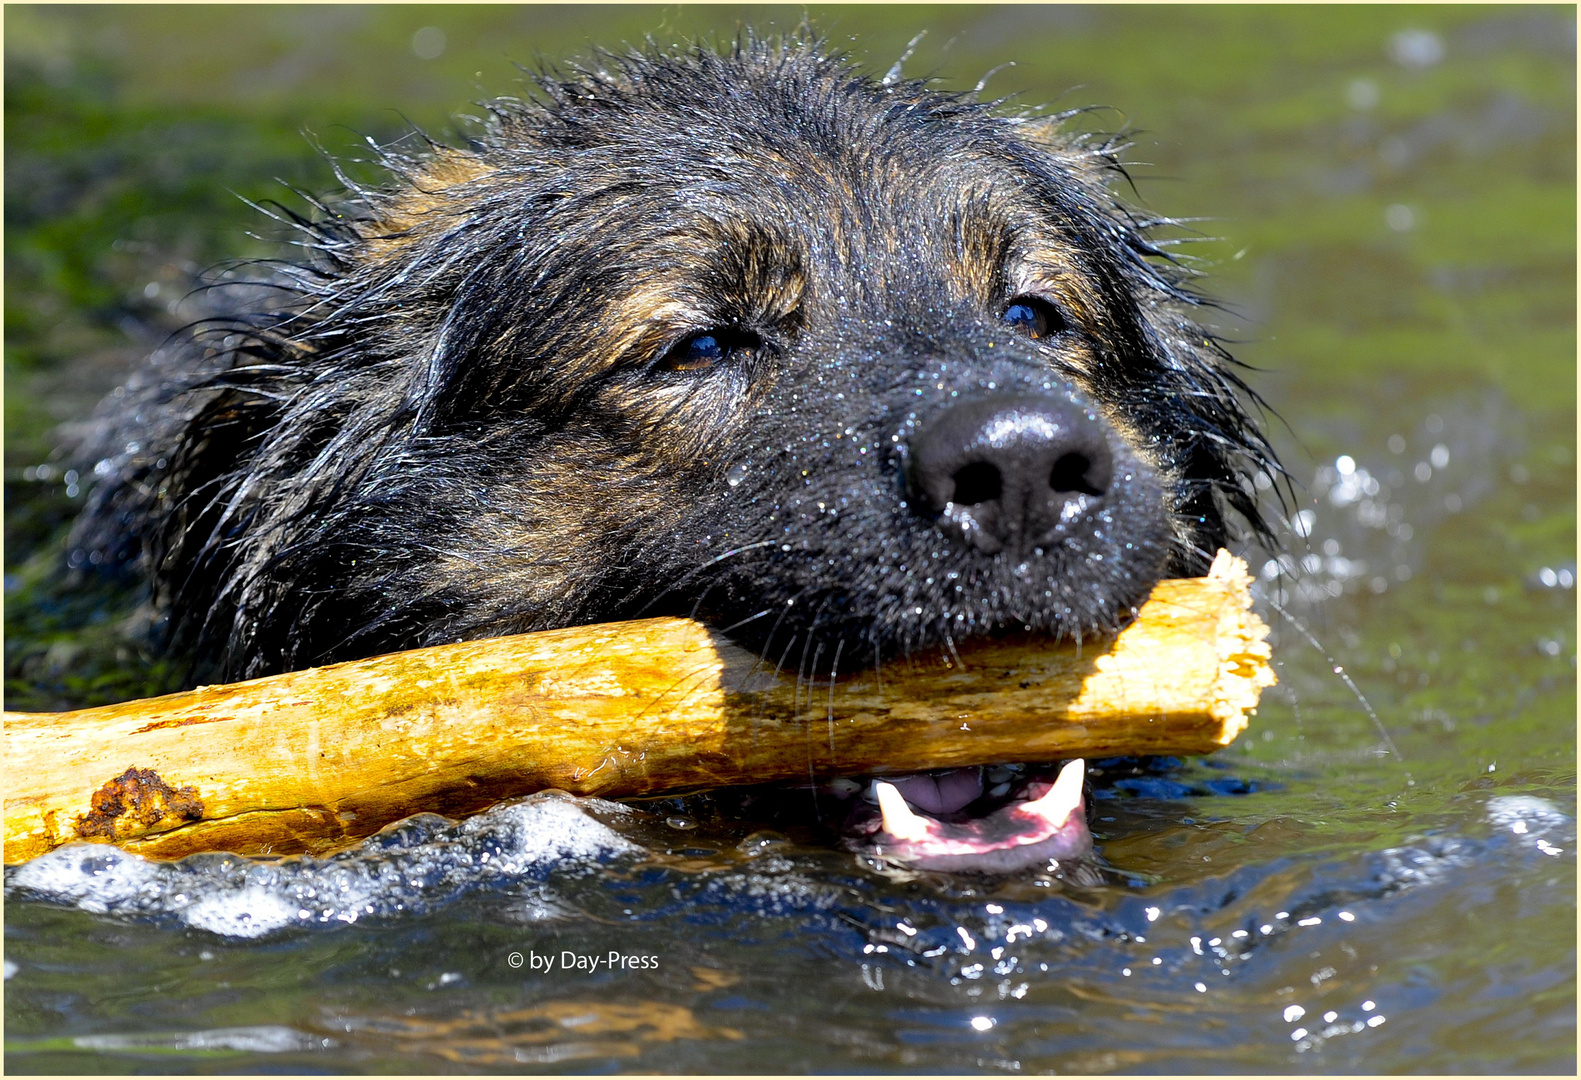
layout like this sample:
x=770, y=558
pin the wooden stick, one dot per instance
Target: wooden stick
x=313, y=760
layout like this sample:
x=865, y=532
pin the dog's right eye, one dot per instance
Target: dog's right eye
x=709, y=349
x=1037, y=319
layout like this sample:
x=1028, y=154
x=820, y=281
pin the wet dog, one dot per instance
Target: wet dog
x=846, y=367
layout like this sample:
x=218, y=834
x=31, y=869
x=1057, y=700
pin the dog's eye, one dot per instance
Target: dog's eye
x=709, y=349
x=1035, y=318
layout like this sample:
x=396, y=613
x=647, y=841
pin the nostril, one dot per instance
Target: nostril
x=1008, y=471
x=976, y=483
x=1074, y=472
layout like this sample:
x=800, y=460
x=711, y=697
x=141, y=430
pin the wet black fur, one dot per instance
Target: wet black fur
x=453, y=416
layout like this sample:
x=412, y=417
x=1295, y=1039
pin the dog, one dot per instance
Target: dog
x=847, y=367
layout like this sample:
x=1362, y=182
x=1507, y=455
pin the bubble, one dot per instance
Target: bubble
x=428, y=43
x=1362, y=93
x=1399, y=217
x=1395, y=153
x=1416, y=49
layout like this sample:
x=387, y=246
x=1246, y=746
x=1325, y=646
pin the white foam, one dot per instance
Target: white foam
x=420, y=863
x=95, y=877
x=245, y=913
x=263, y=1039
x=548, y=830
x=1526, y=814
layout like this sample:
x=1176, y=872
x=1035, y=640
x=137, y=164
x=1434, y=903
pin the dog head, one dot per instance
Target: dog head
x=826, y=360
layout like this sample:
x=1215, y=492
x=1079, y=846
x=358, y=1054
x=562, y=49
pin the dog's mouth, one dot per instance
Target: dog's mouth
x=989, y=820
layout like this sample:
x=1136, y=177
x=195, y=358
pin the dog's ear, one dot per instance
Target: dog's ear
x=1093, y=159
x=429, y=194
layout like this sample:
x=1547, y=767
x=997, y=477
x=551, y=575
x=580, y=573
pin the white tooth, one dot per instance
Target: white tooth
x=899, y=821
x=1058, y=802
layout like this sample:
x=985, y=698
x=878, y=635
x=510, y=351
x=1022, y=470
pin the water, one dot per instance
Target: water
x=1380, y=875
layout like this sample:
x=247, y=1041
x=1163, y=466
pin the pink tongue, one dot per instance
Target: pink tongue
x=941, y=793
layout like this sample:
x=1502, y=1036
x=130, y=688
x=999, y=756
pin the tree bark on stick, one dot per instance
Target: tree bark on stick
x=313, y=760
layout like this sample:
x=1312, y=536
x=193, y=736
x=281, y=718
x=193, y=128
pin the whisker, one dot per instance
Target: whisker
x=783, y=655
x=742, y=622
x=950, y=642
x=694, y=571
x=763, y=654
x=801, y=674
x=834, y=671
x=811, y=676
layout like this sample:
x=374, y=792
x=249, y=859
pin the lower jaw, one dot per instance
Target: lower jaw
x=991, y=860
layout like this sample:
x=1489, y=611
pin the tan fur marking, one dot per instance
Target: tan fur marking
x=404, y=216
x=1051, y=270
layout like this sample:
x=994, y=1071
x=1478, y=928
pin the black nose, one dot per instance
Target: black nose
x=1005, y=471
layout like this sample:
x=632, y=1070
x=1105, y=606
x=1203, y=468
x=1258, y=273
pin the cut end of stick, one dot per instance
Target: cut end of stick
x=1244, y=652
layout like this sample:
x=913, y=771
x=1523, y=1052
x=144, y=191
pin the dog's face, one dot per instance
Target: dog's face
x=869, y=394
x=843, y=367
x=825, y=362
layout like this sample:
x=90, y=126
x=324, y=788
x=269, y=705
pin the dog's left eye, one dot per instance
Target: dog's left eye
x=1035, y=318
x=709, y=349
